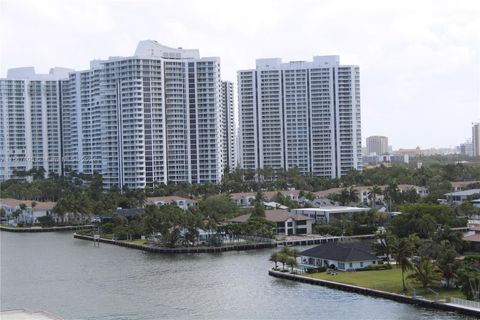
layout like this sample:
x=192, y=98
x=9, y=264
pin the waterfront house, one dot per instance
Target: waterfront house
x=183, y=203
x=343, y=256
x=31, y=212
x=323, y=215
x=286, y=223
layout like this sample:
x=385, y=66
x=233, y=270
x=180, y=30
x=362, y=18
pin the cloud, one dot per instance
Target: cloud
x=419, y=60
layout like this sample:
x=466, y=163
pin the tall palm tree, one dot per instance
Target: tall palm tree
x=403, y=249
x=275, y=258
x=344, y=196
x=353, y=194
x=292, y=262
x=372, y=194
x=282, y=258
x=391, y=195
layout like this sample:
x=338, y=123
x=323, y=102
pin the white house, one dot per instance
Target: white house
x=460, y=196
x=286, y=223
x=183, y=203
x=344, y=256
x=323, y=215
x=33, y=210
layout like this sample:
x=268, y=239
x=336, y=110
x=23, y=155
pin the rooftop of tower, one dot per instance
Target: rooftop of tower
x=318, y=61
x=28, y=73
x=151, y=48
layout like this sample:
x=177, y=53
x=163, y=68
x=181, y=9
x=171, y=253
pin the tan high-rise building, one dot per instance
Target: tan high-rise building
x=377, y=145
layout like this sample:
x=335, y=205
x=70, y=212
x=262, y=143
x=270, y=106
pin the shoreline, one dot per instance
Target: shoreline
x=47, y=229
x=376, y=293
x=238, y=247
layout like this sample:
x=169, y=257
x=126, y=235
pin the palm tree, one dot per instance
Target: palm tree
x=382, y=245
x=372, y=194
x=391, y=195
x=403, y=249
x=344, y=196
x=353, y=194
x=274, y=258
x=292, y=262
x=286, y=251
x=425, y=272
x=282, y=258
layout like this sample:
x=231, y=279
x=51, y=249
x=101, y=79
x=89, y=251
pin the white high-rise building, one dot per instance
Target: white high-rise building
x=303, y=115
x=229, y=153
x=476, y=139
x=155, y=117
x=30, y=113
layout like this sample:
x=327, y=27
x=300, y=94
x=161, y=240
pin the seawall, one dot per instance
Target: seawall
x=47, y=229
x=237, y=247
x=376, y=293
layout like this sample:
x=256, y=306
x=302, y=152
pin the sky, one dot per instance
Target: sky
x=419, y=60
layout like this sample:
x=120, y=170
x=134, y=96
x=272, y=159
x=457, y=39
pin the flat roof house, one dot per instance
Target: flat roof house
x=323, y=215
x=286, y=223
x=344, y=256
x=183, y=203
x=461, y=196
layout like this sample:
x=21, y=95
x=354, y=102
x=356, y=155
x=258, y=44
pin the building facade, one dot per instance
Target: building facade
x=303, y=115
x=30, y=113
x=229, y=129
x=153, y=118
x=476, y=139
x=377, y=145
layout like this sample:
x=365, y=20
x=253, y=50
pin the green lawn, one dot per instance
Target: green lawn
x=385, y=280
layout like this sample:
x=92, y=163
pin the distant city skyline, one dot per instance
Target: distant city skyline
x=419, y=61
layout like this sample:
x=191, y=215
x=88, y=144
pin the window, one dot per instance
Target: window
x=350, y=265
x=341, y=265
x=361, y=264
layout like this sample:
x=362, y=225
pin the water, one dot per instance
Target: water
x=56, y=273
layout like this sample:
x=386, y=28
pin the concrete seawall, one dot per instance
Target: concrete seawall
x=47, y=229
x=376, y=293
x=238, y=247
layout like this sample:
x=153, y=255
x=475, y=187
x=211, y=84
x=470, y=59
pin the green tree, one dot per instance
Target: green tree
x=402, y=250
x=218, y=207
x=291, y=262
x=447, y=263
x=425, y=272
x=382, y=244
x=274, y=257
x=373, y=193
x=283, y=259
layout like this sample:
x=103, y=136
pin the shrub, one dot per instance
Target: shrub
x=327, y=229
x=107, y=227
x=376, y=267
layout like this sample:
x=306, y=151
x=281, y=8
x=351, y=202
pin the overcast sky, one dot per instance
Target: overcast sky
x=419, y=60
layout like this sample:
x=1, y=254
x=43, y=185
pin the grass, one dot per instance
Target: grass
x=386, y=280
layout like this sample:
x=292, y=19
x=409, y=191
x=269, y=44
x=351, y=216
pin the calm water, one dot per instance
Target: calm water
x=71, y=278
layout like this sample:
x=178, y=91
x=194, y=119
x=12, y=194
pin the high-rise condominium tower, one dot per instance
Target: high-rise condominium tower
x=476, y=139
x=229, y=154
x=303, y=115
x=155, y=117
x=30, y=128
x=377, y=145
x=159, y=117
